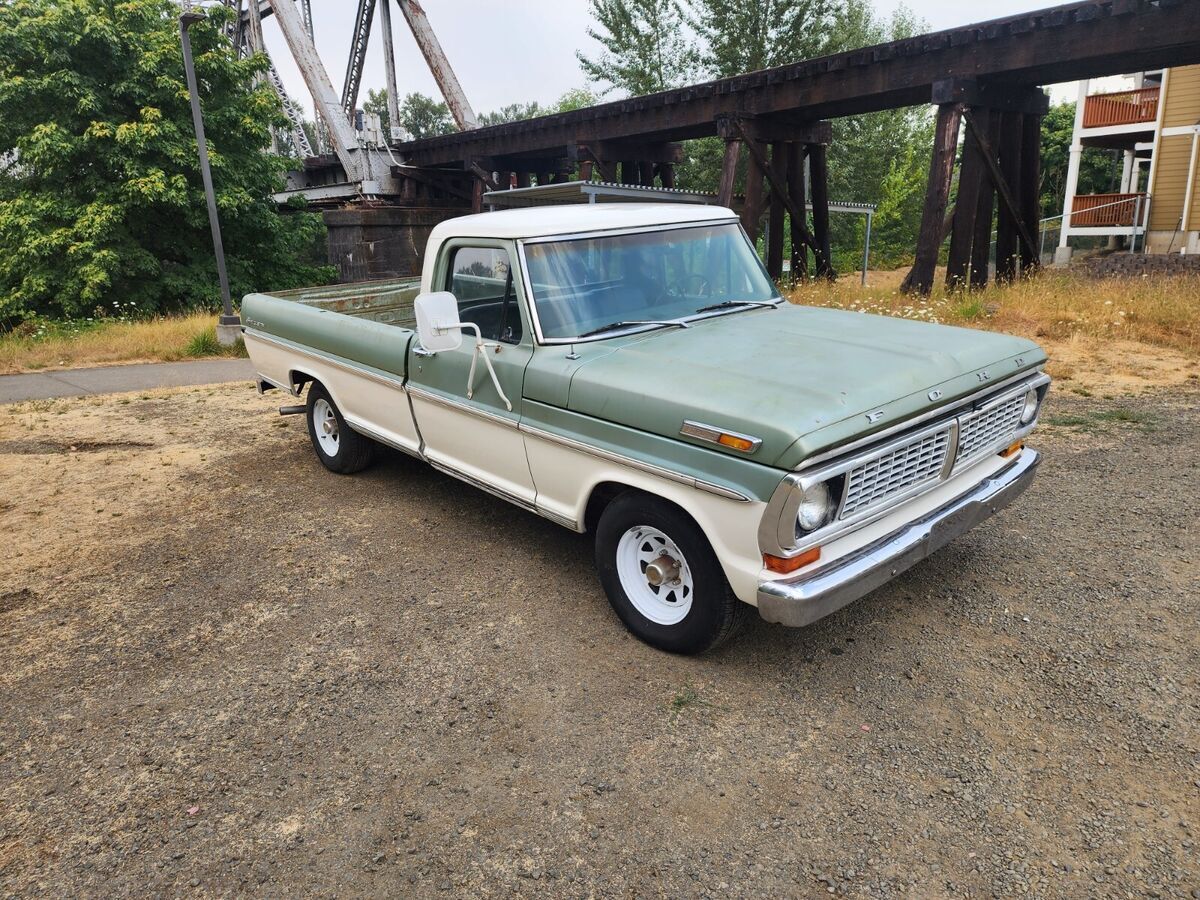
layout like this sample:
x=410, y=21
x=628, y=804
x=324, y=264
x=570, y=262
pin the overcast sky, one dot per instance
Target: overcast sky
x=522, y=50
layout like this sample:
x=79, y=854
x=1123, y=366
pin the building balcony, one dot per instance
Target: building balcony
x=1107, y=210
x=1121, y=108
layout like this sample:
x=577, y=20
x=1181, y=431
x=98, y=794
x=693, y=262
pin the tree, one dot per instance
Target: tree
x=748, y=35
x=514, y=112
x=377, y=104
x=422, y=116
x=576, y=98
x=645, y=47
x=1099, y=169
x=102, y=200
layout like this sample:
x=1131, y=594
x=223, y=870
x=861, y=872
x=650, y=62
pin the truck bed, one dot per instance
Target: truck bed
x=388, y=302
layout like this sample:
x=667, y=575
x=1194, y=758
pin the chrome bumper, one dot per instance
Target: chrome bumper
x=816, y=594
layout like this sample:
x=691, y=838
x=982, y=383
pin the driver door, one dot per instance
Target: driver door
x=476, y=437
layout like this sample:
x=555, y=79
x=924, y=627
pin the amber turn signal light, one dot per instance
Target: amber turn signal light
x=736, y=443
x=1013, y=450
x=785, y=564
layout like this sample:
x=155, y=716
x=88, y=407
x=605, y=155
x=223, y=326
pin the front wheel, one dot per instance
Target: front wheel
x=340, y=448
x=662, y=577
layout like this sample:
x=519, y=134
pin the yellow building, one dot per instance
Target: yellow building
x=1157, y=125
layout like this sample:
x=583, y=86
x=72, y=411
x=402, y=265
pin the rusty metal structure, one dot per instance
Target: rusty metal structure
x=984, y=80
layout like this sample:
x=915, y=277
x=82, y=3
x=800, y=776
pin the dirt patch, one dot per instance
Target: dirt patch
x=16, y=599
x=1088, y=365
x=69, y=446
x=228, y=671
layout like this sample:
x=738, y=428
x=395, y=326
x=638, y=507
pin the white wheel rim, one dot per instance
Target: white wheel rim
x=325, y=426
x=644, y=555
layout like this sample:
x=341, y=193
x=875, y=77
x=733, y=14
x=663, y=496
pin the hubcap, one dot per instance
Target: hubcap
x=654, y=575
x=326, y=426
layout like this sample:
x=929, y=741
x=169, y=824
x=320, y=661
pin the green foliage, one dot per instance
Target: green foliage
x=747, y=35
x=1099, y=169
x=377, y=104
x=576, y=98
x=423, y=117
x=514, y=112
x=100, y=194
x=644, y=47
x=205, y=343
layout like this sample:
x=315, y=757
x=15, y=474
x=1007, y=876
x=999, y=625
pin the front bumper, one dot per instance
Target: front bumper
x=811, y=596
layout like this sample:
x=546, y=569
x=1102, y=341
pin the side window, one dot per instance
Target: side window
x=480, y=278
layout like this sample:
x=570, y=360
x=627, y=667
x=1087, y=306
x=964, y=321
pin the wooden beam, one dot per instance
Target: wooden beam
x=630, y=172
x=1007, y=258
x=666, y=174
x=483, y=175
x=1002, y=188
x=759, y=158
x=753, y=208
x=972, y=173
x=784, y=127
x=775, y=216
x=728, y=173
x=654, y=151
x=981, y=242
x=937, y=193
x=970, y=92
x=1029, y=198
x=798, y=214
x=818, y=173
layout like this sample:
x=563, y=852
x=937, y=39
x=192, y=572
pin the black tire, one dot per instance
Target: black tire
x=353, y=451
x=715, y=614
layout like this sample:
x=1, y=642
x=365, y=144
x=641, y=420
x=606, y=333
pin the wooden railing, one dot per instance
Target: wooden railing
x=1121, y=108
x=1106, y=210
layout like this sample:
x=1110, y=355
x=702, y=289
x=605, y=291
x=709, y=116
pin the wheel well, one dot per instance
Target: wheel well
x=605, y=492
x=299, y=380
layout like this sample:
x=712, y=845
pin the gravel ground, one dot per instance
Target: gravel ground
x=224, y=670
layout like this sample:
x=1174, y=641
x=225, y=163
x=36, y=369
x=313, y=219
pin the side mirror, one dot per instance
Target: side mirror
x=438, y=326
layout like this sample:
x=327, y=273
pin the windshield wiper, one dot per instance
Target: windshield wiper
x=613, y=326
x=730, y=304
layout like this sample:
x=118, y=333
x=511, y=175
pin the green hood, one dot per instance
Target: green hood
x=800, y=378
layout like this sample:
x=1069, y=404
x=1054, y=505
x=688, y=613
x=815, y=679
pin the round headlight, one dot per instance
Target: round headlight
x=816, y=507
x=1030, y=409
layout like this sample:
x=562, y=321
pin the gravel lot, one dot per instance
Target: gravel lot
x=224, y=670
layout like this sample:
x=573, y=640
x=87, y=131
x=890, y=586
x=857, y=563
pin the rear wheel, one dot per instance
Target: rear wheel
x=340, y=448
x=662, y=577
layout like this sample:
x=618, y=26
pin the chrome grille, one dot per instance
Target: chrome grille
x=978, y=432
x=880, y=478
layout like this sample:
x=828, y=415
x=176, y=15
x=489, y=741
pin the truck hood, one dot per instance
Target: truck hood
x=801, y=379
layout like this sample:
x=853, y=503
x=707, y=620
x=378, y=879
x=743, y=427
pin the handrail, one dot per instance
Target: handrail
x=1120, y=108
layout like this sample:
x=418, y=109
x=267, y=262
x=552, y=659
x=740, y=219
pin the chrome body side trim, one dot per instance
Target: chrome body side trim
x=504, y=495
x=460, y=406
x=776, y=532
x=804, y=599
x=649, y=468
x=712, y=434
x=262, y=379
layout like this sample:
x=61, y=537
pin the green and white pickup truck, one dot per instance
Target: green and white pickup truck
x=631, y=371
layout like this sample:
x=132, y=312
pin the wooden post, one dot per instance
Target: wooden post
x=630, y=172
x=1028, y=198
x=477, y=188
x=1010, y=169
x=522, y=179
x=818, y=170
x=776, y=213
x=981, y=243
x=972, y=173
x=666, y=174
x=647, y=170
x=752, y=211
x=729, y=165
x=937, y=193
x=585, y=170
x=799, y=223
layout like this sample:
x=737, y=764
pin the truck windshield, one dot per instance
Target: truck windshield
x=603, y=284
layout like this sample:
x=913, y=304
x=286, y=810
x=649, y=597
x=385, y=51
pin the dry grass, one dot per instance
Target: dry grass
x=167, y=338
x=1051, y=308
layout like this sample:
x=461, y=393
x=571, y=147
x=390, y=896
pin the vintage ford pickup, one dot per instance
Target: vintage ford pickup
x=630, y=370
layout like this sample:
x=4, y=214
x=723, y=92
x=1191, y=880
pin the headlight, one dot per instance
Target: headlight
x=1031, y=407
x=816, y=508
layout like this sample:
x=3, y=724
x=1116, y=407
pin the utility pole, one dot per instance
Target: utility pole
x=228, y=325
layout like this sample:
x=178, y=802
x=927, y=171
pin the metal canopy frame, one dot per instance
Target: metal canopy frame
x=574, y=192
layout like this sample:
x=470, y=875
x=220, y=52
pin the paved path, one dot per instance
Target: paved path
x=116, y=379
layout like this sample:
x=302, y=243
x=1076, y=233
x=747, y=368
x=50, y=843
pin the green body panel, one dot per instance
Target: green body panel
x=341, y=334
x=801, y=379
x=752, y=479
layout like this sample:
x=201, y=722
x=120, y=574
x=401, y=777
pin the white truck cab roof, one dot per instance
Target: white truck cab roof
x=547, y=221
